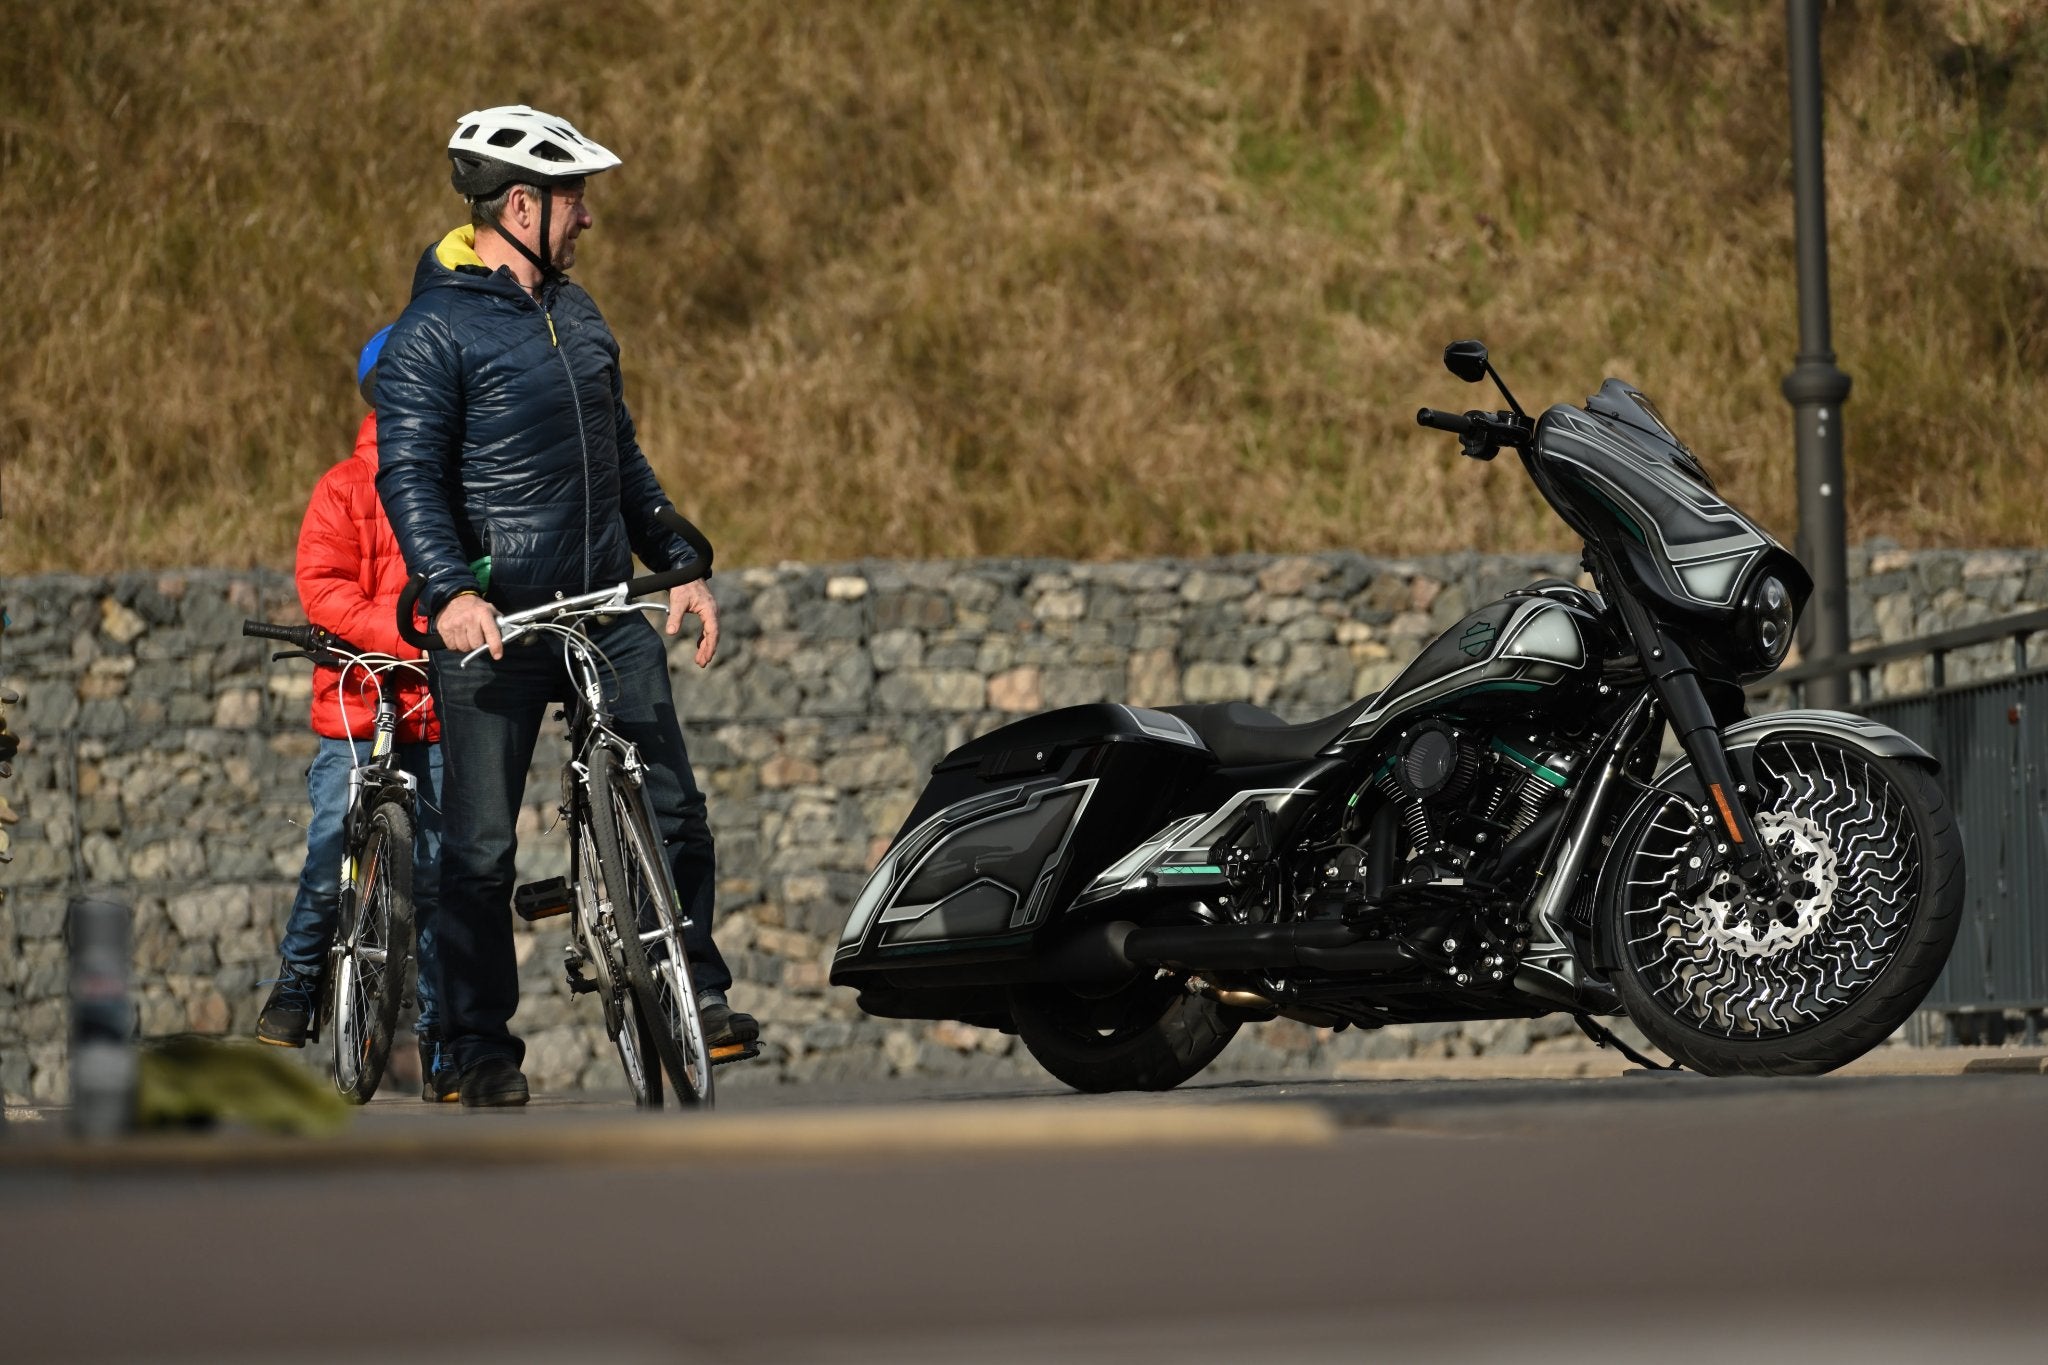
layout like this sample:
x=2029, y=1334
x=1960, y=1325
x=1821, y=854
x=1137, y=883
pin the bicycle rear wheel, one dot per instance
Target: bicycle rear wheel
x=643, y=899
x=374, y=942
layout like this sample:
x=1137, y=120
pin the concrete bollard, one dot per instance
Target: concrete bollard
x=102, y=1019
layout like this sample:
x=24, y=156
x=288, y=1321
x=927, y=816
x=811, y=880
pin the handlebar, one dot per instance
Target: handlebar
x=1480, y=434
x=321, y=646
x=298, y=637
x=1444, y=421
x=408, y=600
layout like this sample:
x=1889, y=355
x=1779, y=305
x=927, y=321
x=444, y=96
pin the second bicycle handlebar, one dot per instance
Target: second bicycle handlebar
x=638, y=587
x=298, y=637
x=322, y=646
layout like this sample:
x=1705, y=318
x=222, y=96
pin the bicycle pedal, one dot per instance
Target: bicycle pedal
x=735, y=1052
x=543, y=900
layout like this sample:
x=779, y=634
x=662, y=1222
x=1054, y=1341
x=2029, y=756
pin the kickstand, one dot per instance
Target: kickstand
x=1605, y=1038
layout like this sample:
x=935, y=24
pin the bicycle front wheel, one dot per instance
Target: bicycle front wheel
x=372, y=950
x=647, y=922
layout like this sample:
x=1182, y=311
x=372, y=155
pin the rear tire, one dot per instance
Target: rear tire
x=1148, y=1034
x=1873, y=868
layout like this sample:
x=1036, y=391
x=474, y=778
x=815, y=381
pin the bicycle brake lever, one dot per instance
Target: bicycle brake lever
x=505, y=637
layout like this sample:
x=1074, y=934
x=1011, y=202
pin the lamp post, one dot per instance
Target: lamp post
x=1816, y=388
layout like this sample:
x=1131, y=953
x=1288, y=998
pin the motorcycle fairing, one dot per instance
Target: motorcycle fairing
x=1617, y=472
x=1520, y=644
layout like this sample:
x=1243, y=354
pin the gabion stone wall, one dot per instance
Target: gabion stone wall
x=165, y=755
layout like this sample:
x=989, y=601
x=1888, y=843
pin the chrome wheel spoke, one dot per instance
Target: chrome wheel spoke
x=1850, y=867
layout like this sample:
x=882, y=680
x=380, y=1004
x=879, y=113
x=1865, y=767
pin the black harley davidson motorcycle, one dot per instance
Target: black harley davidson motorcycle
x=1489, y=837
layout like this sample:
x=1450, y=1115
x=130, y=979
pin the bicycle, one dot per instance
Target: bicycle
x=617, y=860
x=365, y=980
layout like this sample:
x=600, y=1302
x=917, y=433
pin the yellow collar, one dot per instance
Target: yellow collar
x=458, y=248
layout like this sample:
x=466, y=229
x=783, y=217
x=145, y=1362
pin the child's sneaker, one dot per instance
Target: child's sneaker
x=440, y=1082
x=287, y=1015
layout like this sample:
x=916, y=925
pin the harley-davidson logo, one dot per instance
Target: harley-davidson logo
x=1476, y=638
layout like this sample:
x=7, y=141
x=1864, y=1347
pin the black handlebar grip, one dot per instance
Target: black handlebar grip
x=299, y=637
x=1443, y=421
x=698, y=542
x=413, y=635
x=675, y=578
x=661, y=582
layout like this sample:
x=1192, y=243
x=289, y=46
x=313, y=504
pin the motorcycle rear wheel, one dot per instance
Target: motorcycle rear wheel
x=1872, y=865
x=1147, y=1034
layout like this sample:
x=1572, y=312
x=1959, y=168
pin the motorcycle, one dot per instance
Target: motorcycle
x=1488, y=837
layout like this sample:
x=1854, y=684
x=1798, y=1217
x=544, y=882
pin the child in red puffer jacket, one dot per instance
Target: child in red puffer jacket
x=350, y=574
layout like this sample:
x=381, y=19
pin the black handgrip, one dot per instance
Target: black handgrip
x=1444, y=421
x=675, y=578
x=413, y=635
x=299, y=637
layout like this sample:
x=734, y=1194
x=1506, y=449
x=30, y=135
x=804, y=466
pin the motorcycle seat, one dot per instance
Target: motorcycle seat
x=1243, y=736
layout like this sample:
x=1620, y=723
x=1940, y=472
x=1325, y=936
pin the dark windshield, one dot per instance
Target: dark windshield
x=1630, y=405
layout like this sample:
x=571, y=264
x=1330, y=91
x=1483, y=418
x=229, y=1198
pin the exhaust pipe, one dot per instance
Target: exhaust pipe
x=1247, y=947
x=1110, y=952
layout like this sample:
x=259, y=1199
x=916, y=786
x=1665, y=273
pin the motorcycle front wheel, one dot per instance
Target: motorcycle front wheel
x=1871, y=866
x=1146, y=1034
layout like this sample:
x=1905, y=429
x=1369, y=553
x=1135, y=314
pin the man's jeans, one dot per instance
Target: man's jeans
x=314, y=910
x=491, y=713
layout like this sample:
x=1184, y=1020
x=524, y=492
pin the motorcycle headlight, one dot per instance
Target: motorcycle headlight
x=1766, y=620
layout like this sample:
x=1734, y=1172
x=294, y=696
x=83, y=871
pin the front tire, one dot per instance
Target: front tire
x=1148, y=1034
x=645, y=913
x=375, y=946
x=1872, y=864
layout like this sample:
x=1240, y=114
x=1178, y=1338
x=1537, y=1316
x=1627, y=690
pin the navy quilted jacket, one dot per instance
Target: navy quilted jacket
x=503, y=432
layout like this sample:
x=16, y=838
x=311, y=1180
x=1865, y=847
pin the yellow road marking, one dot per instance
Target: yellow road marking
x=694, y=1140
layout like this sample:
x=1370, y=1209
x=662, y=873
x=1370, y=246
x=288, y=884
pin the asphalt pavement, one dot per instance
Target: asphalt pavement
x=1635, y=1216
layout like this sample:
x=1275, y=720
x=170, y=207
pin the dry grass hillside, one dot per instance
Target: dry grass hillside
x=932, y=277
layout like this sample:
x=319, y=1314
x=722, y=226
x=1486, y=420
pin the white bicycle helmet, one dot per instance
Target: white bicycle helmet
x=515, y=145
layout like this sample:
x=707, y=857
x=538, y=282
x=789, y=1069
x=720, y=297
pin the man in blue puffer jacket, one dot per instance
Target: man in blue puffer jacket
x=510, y=473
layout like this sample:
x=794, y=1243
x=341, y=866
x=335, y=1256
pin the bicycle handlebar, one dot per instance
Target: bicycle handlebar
x=321, y=646
x=299, y=637
x=408, y=600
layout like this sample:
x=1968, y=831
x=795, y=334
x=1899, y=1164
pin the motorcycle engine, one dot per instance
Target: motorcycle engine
x=1464, y=795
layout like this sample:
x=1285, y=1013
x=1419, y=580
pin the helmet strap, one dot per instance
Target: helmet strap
x=541, y=261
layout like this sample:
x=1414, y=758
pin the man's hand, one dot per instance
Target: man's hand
x=468, y=623
x=694, y=599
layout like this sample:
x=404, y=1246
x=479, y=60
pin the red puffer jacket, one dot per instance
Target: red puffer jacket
x=350, y=574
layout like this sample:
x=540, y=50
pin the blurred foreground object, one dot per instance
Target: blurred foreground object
x=10, y=742
x=190, y=1081
x=102, y=1020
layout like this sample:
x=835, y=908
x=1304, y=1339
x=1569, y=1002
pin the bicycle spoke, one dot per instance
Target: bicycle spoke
x=376, y=929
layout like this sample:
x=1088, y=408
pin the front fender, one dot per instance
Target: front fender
x=1872, y=737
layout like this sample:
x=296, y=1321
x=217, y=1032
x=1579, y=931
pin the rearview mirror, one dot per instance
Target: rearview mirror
x=1467, y=360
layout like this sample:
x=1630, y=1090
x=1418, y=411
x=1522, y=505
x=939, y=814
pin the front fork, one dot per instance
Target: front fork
x=1738, y=846
x=1550, y=968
